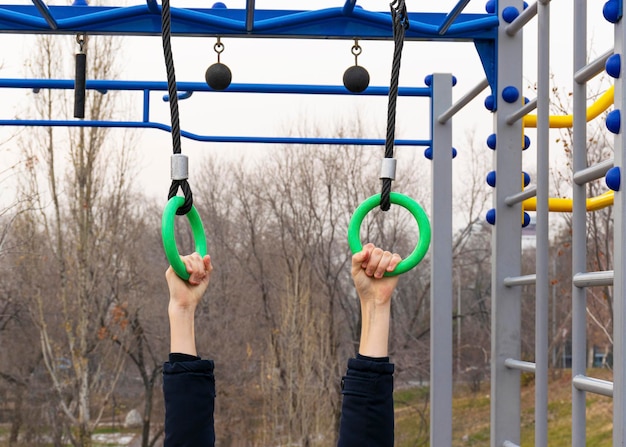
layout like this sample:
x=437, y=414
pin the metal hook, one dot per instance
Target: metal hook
x=80, y=40
x=356, y=50
x=218, y=48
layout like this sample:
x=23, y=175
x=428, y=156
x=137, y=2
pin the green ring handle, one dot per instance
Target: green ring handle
x=354, y=229
x=169, y=239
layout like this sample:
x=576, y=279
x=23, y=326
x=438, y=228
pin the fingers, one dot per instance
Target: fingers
x=198, y=268
x=359, y=259
x=375, y=261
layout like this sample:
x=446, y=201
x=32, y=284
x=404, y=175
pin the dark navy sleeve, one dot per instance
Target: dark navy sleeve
x=367, y=408
x=189, y=393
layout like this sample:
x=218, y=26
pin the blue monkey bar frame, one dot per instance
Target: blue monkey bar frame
x=187, y=89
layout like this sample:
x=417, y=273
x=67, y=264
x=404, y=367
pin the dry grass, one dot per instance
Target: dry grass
x=471, y=415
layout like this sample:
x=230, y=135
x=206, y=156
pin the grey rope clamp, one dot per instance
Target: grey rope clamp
x=179, y=167
x=388, y=168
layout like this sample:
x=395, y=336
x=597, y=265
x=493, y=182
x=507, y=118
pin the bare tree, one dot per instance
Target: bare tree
x=81, y=216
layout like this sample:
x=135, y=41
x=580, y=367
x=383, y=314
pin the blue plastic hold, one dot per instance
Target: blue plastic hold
x=526, y=219
x=219, y=5
x=80, y=3
x=490, y=6
x=526, y=179
x=613, y=178
x=491, y=178
x=453, y=81
x=614, y=121
x=454, y=152
x=613, y=66
x=526, y=100
x=525, y=5
x=611, y=11
x=491, y=141
x=490, y=103
x=526, y=142
x=491, y=216
x=510, y=94
x=510, y=13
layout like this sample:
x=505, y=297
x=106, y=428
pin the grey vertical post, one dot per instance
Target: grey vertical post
x=506, y=243
x=619, y=261
x=542, y=283
x=441, y=268
x=579, y=227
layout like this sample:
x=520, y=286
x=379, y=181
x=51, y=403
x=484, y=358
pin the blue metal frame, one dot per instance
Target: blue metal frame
x=334, y=23
x=344, y=22
x=187, y=89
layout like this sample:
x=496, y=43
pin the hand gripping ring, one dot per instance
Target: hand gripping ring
x=354, y=229
x=169, y=239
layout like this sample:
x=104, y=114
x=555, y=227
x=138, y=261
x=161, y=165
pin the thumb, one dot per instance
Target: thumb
x=360, y=257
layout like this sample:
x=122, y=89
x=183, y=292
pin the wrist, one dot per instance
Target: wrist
x=174, y=309
x=182, y=330
x=375, y=322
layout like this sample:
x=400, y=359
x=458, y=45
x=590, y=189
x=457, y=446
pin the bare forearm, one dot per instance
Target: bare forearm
x=375, y=329
x=182, y=330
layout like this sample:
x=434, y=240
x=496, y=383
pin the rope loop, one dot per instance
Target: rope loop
x=184, y=185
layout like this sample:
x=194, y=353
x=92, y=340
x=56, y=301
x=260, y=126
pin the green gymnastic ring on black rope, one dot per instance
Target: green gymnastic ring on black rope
x=354, y=229
x=169, y=239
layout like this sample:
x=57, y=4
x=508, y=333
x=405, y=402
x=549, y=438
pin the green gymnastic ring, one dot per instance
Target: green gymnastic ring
x=354, y=229
x=169, y=239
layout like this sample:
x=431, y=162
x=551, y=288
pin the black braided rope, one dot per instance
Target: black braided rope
x=400, y=21
x=166, y=32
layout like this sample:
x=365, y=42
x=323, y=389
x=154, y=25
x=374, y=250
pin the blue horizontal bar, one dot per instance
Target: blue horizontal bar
x=339, y=22
x=212, y=138
x=103, y=85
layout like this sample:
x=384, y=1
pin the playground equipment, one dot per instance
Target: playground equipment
x=498, y=38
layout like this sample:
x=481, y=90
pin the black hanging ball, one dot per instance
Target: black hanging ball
x=356, y=79
x=218, y=76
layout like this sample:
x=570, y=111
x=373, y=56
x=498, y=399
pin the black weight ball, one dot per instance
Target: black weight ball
x=218, y=76
x=356, y=79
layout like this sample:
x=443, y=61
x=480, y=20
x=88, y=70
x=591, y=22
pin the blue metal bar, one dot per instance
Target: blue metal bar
x=213, y=138
x=207, y=19
x=325, y=23
x=183, y=95
x=484, y=23
x=146, y=105
x=45, y=12
x=451, y=17
x=95, y=84
x=348, y=7
x=305, y=17
x=153, y=7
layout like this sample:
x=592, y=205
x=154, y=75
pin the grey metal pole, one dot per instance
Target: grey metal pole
x=441, y=298
x=542, y=284
x=619, y=258
x=459, y=317
x=506, y=244
x=579, y=227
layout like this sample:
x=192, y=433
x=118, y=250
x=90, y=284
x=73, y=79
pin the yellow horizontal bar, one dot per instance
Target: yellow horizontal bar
x=564, y=205
x=559, y=121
